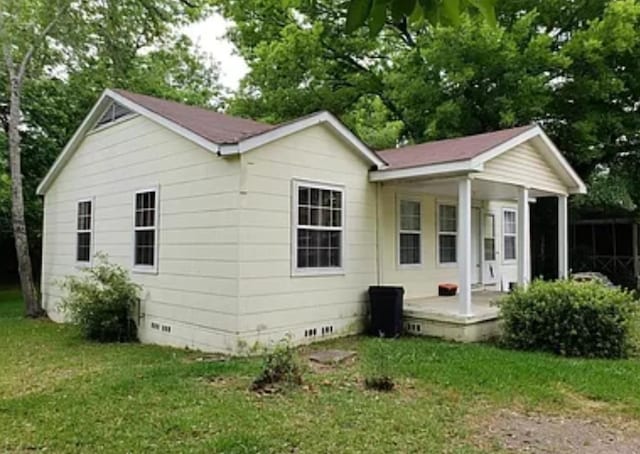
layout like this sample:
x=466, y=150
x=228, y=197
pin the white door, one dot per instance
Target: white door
x=475, y=246
x=489, y=265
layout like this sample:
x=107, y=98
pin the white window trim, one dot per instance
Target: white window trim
x=505, y=260
x=439, y=232
x=400, y=231
x=323, y=271
x=89, y=263
x=145, y=268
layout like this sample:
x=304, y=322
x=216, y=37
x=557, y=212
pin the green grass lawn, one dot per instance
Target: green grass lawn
x=61, y=394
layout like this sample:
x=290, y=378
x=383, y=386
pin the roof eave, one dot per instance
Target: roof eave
x=73, y=143
x=430, y=170
x=106, y=97
x=264, y=138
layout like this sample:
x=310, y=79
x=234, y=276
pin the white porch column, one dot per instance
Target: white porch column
x=524, y=247
x=563, y=246
x=464, y=245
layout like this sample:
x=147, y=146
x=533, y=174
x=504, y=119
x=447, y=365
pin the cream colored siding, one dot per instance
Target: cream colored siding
x=195, y=288
x=272, y=301
x=523, y=165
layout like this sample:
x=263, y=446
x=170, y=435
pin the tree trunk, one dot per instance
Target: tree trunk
x=29, y=292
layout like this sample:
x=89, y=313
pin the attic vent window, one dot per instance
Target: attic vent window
x=113, y=113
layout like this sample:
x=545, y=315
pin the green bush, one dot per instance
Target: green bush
x=571, y=318
x=102, y=300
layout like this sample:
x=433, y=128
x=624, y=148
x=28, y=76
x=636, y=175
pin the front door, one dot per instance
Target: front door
x=475, y=246
x=489, y=270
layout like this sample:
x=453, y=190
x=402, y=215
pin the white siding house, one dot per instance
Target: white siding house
x=241, y=232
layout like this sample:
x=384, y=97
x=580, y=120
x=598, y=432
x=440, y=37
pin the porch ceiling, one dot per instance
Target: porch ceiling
x=480, y=189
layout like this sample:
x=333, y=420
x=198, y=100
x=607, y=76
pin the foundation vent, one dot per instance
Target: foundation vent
x=155, y=325
x=326, y=330
x=311, y=332
x=166, y=328
x=413, y=327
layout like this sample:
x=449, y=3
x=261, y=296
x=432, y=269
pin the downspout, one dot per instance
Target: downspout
x=379, y=236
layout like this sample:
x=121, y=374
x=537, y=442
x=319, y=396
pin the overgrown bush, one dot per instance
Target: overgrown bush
x=377, y=365
x=281, y=367
x=102, y=300
x=572, y=319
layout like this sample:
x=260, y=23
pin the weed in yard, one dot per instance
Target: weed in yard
x=378, y=365
x=281, y=367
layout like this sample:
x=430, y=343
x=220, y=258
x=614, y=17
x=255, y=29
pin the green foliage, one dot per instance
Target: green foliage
x=570, y=65
x=572, y=319
x=608, y=193
x=96, y=45
x=374, y=12
x=102, y=300
x=281, y=367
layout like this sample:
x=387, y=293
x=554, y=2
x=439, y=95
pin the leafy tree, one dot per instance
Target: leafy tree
x=63, y=53
x=572, y=66
x=374, y=12
x=25, y=28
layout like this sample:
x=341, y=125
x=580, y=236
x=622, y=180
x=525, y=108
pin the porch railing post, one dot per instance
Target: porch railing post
x=524, y=244
x=464, y=245
x=563, y=248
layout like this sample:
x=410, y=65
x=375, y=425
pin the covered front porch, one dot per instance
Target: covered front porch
x=474, y=228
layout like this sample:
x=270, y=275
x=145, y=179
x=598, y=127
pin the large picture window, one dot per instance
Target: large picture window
x=409, y=232
x=318, y=227
x=447, y=233
x=145, y=229
x=84, y=231
x=510, y=232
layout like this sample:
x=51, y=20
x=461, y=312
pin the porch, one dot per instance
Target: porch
x=439, y=316
x=467, y=221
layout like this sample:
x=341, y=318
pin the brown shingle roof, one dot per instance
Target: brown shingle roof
x=213, y=126
x=449, y=150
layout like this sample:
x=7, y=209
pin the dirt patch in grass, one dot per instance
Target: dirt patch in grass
x=539, y=433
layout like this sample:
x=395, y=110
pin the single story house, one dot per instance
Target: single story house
x=243, y=232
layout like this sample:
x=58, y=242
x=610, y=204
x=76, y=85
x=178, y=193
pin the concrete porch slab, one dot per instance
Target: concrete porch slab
x=438, y=316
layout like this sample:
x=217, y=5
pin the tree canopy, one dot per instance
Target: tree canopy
x=375, y=13
x=96, y=44
x=572, y=66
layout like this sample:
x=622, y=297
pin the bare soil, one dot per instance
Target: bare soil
x=538, y=433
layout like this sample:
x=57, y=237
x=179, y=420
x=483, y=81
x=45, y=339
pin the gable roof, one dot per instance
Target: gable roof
x=469, y=154
x=213, y=126
x=448, y=150
x=218, y=133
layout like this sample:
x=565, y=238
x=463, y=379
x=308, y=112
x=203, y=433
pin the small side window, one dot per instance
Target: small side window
x=145, y=230
x=84, y=231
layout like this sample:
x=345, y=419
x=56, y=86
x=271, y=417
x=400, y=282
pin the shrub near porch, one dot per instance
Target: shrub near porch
x=571, y=318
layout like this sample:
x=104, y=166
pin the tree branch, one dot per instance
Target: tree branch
x=405, y=35
x=38, y=40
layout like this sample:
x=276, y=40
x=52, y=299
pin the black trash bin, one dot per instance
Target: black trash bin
x=386, y=310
